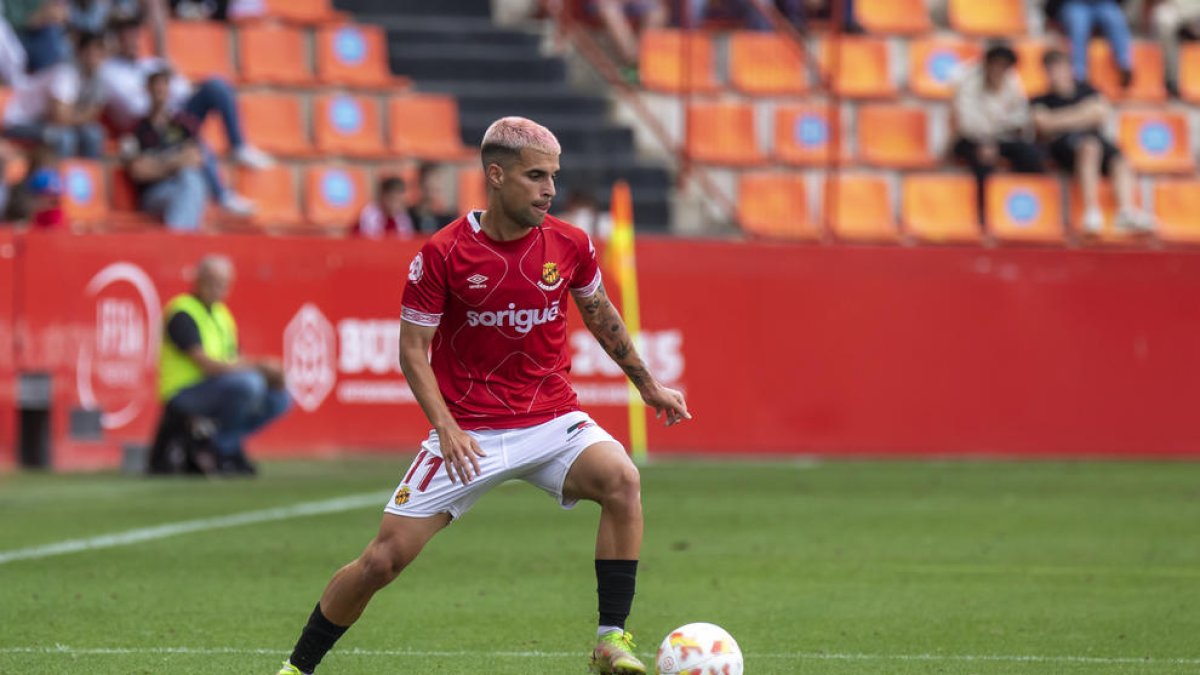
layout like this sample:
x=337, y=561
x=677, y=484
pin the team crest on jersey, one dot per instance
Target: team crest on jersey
x=402, y=496
x=551, y=279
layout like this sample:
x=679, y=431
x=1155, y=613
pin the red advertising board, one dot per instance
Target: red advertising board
x=8, y=255
x=781, y=349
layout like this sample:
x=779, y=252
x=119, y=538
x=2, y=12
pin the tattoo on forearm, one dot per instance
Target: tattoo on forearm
x=605, y=323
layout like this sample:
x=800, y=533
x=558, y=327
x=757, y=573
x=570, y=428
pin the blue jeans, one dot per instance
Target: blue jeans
x=45, y=46
x=83, y=140
x=178, y=200
x=240, y=403
x=216, y=96
x=1078, y=17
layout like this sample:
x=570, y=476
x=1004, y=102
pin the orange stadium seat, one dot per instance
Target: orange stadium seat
x=940, y=208
x=425, y=126
x=1189, y=71
x=353, y=55
x=906, y=17
x=1156, y=140
x=199, y=49
x=346, y=124
x=935, y=62
x=894, y=136
x=275, y=122
x=472, y=190
x=862, y=68
x=309, y=12
x=1147, y=85
x=860, y=207
x=274, y=191
x=989, y=17
x=84, y=198
x=334, y=195
x=1108, y=204
x=775, y=205
x=722, y=133
x=1176, y=205
x=1025, y=208
x=676, y=61
x=274, y=53
x=124, y=192
x=1029, y=65
x=768, y=64
x=804, y=135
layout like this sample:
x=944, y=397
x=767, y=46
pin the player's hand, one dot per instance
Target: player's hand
x=668, y=404
x=461, y=454
x=989, y=153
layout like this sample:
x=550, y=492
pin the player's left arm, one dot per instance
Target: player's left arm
x=603, y=320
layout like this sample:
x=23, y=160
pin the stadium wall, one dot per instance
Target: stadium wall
x=8, y=413
x=782, y=349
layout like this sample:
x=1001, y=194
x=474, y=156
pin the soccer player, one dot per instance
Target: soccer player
x=488, y=293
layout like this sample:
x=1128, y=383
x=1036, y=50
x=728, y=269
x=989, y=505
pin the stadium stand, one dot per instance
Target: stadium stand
x=940, y=208
x=774, y=204
x=860, y=207
x=273, y=53
x=766, y=64
x=1023, y=208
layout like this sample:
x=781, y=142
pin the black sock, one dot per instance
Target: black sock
x=615, y=583
x=316, y=641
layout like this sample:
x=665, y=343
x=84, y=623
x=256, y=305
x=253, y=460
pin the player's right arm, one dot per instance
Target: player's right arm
x=459, y=449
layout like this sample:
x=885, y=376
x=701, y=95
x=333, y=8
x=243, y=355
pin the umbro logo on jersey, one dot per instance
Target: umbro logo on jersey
x=477, y=281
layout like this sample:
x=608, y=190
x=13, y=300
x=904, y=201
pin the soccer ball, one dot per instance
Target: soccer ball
x=699, y=649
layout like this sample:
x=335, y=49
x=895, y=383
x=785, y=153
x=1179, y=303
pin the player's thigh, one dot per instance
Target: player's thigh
x=601, y=469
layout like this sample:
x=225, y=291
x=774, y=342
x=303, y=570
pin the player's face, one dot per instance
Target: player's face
x=528, y=187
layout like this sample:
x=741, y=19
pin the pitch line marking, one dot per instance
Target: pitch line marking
x=795, y=656
x=143, y=534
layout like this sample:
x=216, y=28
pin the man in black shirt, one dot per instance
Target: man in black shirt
x=1070, y=119
x=165, y=161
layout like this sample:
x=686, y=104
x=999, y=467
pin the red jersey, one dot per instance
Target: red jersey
x=500, y=308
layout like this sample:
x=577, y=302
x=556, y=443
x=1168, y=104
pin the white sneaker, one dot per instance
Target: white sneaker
x=238, y=205
x=1093, y=222
x=1136, y=220
x=252, y=157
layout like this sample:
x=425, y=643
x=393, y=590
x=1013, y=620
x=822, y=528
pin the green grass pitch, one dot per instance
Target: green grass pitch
x=836, y=568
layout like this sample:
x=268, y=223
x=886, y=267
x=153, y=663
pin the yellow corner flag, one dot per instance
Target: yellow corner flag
x=623, y=261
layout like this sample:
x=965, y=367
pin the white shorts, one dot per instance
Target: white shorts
x=540, y=455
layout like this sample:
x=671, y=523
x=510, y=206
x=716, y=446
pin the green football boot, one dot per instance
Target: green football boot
x=289, y=669
x=613, y=655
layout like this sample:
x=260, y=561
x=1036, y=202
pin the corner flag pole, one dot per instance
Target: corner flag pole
x=625, y=264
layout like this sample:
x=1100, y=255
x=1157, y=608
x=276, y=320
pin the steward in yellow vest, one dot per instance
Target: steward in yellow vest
x=202, y=374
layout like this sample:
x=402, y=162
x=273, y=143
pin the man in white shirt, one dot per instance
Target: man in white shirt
x=123, y=83
x=59, y=106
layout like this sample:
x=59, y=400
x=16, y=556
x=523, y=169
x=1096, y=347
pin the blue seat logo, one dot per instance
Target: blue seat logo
x=337, y=188
x=942, y=65
x=1023, y=207
x=1156, y=138
x=79, y=186
x=349, y=46
x=347, y=116
x=811, y=131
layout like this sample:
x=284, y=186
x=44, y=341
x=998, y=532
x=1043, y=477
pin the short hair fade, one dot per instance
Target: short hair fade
x=508, y=136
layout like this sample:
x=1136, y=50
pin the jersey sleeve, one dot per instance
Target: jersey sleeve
x=426, y=291
x=587, y=279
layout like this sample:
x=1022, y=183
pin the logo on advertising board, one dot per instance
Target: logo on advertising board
x=309, y=354
x=600, y=382
x=112, y=368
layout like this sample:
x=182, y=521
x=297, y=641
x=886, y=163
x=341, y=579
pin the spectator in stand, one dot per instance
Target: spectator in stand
x=615, y=16
x=1070, y=119
x=202, y=374
x=1079, y=18
x=95, y=16
x=12, y=55
x=41, y=26
x=60, y=106
x=123, y=81
x=991, y=118
x=164, y=159
x=45, y=189
x=583, y=211
x=388, y=216
x=21, y=203
x=433, y=211
x=798, y=12
x=1175, y=19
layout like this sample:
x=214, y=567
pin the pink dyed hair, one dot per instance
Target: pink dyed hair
x=508, y=136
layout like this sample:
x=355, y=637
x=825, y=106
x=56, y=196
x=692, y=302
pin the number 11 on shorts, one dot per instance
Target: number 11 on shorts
x=432, y=461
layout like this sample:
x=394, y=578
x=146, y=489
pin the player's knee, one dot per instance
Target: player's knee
x=380, y=564
x=1090, y=148
x=624, y=487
